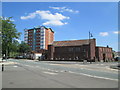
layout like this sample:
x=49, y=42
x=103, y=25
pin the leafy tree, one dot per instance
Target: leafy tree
x=9, y=34
x=14, y=48
x=24, y=48
x=0, y=38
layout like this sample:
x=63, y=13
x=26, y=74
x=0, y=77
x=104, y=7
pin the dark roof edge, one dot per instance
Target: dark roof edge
x=51, y=30
x=38, y=28
x=102, y=47
x=74, y=40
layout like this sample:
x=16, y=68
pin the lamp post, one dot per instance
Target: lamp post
x=90, y=35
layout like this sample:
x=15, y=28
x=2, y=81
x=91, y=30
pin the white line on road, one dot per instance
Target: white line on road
x=94, y=76
x=29, y=65
x=15, y=66
x=50, y=73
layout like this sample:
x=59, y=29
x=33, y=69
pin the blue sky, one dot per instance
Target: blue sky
x=70, y=21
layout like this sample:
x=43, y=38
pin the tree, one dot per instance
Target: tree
x=9, y=34
x=24, y=48
x=0, y=38
x=14, y=48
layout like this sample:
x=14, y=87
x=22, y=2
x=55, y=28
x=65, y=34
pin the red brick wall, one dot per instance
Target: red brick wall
x=50, y=53
x=71, y=52
x=104, y=50
x=49, y=38
x=92, y=48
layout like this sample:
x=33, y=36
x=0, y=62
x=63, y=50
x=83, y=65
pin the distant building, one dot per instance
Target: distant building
x=41, y=41
x=104, y=53
x=78, y=50
x=26, y=35
x=38, y=38
x=116, y=54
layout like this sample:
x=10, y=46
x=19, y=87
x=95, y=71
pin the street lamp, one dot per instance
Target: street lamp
x=90, y=35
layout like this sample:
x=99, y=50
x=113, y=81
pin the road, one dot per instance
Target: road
x=56, y=74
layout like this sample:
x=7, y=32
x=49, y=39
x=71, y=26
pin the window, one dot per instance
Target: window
x=42, y=42
x=70, y=49
x=41, y=46
x=42, y=38
x=42, y=31
x=37, y=42
x=42, y=35
x=30, y=39
x=38, y=46
x=77, y=49
x=84, y=50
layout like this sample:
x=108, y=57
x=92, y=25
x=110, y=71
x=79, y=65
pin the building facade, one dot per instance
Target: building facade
x=78, y=50
x=41, y=40
x=72, y=50
x=38, y=38
x=104, y=54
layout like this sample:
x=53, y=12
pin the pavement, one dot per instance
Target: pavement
x=50, y=74
x=7, y=63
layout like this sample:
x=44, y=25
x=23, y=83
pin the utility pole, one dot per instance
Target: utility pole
x=90, y=35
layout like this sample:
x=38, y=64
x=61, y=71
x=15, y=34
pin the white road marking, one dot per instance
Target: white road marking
x=15, y=66
x=94, y=76
x=27, y=65
x=50, y=73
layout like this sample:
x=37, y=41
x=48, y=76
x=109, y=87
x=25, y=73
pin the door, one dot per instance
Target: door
x=104, y=57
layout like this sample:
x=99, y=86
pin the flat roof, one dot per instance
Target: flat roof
x=71, y=42
x=102, y=47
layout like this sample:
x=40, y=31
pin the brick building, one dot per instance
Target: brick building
x=72, y=50
x=104, y=53
x=78, y=50
x=38, y=38
x=41, y=40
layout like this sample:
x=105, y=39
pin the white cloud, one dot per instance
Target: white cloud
x=58, y=8
x=54, y=23
x=49, y=16
x=116, y=32
x=104, y=33
x=65, y=9
x=52, y=19
x=31, y=15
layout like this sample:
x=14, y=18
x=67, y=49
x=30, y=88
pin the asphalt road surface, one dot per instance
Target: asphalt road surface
x=56, y=74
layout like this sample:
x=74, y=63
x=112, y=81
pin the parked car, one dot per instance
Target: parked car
x=19, y=57
x=117, y=59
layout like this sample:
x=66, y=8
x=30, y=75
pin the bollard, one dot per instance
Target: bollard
x=2, y=67
x=84, y=61
x=90, y=62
